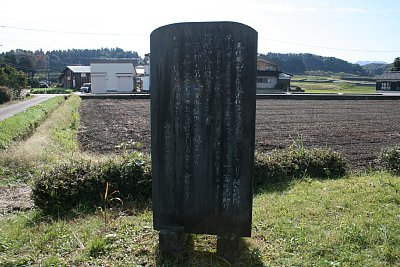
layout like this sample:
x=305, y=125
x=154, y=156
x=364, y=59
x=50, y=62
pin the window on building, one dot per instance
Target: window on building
x=385, y=86
x=263, y=80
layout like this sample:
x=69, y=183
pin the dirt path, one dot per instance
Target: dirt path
x=15, y=198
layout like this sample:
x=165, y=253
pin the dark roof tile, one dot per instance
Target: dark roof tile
x=390, y=75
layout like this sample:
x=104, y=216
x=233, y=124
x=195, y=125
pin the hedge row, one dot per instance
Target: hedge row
x=294, y=163
x=389, y=159
x=54, y=90
x=80, y=183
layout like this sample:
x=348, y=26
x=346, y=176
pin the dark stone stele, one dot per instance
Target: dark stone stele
x=203, y=93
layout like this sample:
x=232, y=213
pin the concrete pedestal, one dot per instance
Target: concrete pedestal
x=172, y=240
x=228, y=247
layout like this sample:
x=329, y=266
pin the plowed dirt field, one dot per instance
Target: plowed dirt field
x=357, y=129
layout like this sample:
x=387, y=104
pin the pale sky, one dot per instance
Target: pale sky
x=348, y=29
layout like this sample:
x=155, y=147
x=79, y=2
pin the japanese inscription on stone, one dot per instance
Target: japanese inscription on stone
x=203, y=79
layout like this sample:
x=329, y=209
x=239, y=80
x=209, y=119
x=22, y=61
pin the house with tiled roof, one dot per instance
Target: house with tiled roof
x=269, y=76
x=389, y=81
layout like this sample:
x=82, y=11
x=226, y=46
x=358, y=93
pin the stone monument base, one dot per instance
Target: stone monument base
x=172, y=240
x=228, y=247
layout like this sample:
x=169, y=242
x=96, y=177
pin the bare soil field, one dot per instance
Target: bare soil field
x=15, y=198
x=357, y=129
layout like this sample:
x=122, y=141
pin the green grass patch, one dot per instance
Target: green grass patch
x=53, y=141
x=64, y=131
x=23, y=124
x=340, y=87
x=333, y=84
x=345, y=222
x=52, y=90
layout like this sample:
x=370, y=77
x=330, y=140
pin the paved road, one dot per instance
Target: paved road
x=12, y=109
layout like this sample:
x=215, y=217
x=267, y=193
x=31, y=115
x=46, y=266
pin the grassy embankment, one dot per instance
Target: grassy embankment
x=53, y=140
x=23, y=124
x=346, y=222
x=51, y=90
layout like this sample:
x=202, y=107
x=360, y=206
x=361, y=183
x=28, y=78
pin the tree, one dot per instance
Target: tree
x=14, y=79
x=396, y=64
x=25, y=64
x=21, y=60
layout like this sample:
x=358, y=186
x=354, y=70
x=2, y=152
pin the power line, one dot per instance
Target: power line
x=262, y=37
x=68, y=32
x=331, y=48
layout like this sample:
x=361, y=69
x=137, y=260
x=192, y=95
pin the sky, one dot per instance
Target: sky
x=353, y=30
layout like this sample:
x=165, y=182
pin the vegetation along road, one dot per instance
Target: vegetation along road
x=12, y=109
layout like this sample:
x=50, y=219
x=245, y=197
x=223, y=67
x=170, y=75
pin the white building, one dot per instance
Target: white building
x=143, y=77
x=112, y=78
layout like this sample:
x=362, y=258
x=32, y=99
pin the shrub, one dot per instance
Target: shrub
x=80, y=183
x=51, y=91
x=294, y=163
x=389, y=159
x=6, y=94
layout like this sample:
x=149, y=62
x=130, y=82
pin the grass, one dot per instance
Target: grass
x=53, y=141
x=23, y=124
x=325, y=88
x=332, y=84
x=51, y=90
x=346, y=222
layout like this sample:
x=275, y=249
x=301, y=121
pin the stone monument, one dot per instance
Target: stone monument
x=203, y=92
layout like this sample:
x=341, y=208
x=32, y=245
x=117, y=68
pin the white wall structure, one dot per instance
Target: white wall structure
x=264, y=82
x=112, y=77
x=145, y=83
x=143, y=77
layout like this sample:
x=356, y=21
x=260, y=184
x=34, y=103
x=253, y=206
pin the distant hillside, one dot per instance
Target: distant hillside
x=376, y=68
x=365, y=62
x=300, y=63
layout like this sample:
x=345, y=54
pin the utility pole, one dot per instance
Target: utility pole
x=48, y=69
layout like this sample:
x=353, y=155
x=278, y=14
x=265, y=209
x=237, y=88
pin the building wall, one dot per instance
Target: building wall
x=75, y=80
x=267, y=82
x=112, y=77
x=265, y=65
x=388, y=86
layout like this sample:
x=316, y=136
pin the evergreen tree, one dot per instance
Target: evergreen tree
x=396, y=64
